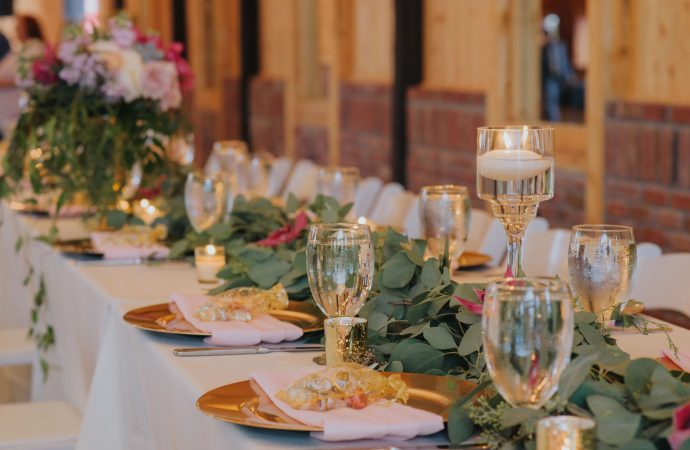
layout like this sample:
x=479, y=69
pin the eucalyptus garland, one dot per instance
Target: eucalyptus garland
x=421, y=321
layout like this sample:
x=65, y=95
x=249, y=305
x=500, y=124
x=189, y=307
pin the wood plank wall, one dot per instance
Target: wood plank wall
x=489, y=47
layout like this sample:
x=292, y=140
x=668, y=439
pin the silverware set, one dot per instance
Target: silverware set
x=248, y=350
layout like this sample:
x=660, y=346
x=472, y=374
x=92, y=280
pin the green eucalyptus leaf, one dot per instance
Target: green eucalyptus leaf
x=471, y=341
x=615, y=424
x=398, y=271
x=378, y=322
x=639, y=444
x=394, y=366
x=267, y=274
x=574, y=375
x=515, y=416
x=439, y=337
x=431, y=274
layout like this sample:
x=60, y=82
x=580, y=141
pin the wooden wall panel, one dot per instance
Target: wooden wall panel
x=372, y=42
x=48, y=12
x=278, y=38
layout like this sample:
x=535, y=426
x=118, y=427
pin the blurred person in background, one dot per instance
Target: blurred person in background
x=556, y=71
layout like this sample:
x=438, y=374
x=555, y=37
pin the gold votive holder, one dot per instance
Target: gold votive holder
x=208, y=260
x=346, y=339
x=565, y=433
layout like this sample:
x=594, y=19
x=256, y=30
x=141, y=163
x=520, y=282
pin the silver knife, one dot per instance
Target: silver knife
x=250, y=350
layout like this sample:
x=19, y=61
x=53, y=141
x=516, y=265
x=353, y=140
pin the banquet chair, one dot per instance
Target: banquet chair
x=495, y=242
x=366, y=194
x=663, y=282
x=647, y=250
x=480, y=221
x=380, y=208
x=546, y=253
x=413, y=223
x=50, y=425
x=280, y=170
x=302, y=181
x=16, y=349
x=394, y=212
x=212, y=166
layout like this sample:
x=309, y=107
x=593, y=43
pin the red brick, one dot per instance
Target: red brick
x=683, y=164
x=677, y=241
x=655, y=195
x=616, y=209
x=681, y=200
x=616, y=187
x=668, y=218
x=645, y=111
x=680, y=114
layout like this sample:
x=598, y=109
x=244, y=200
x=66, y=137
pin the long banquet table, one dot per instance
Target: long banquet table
x=132, y=391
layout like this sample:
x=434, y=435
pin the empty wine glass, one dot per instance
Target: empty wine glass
x=340, y=270
x=601, y=264
x=527, y=327
x=254, y=179
x=444, y=212
x=338, y=182
x=204, y=199
x=515, y=173
x=134, y=178
x=232, y=157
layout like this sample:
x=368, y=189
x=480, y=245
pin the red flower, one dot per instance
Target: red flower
x=286, y=234
x=681, y=427
x=474, y=308
x=174, y=54
x=44, y=69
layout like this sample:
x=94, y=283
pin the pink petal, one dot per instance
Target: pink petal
x=472, y=307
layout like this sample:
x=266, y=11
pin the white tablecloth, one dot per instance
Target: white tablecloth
x=134, y=394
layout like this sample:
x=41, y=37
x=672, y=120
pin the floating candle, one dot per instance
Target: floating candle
x=512, y=165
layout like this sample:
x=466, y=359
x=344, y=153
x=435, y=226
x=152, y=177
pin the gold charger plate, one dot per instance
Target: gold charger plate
x=303, y=314
x=473, y=259
x=238, y=403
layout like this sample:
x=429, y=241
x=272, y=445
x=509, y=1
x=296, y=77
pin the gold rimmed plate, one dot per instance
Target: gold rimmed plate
x=153, y=318
x=80, y=249
x=469, y=260
x=238, y=402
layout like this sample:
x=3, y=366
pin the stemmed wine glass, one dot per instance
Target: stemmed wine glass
x=180, y=148
x=204, y=199
x=601, y=264
x=253, y=180
x=515, y=173
x=338, y=182
x=527, y=326
x=340, y=270
x=444, y=211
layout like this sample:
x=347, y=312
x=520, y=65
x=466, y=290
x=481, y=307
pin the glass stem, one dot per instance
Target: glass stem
x=515, y=252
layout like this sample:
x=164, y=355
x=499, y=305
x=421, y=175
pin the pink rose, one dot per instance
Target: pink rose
x=158, y=77
x=681, y=427
x=43, y=69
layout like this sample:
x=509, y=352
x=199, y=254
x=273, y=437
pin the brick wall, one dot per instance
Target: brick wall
x=365, y=133
x=266, y=109
x=442, y=137
x=647, y=183
x=312, y=142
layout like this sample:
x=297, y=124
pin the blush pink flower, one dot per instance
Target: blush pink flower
x=158, y=77
x=43, y=69
x=681, y=427
x=286, y=234
x=473, y=307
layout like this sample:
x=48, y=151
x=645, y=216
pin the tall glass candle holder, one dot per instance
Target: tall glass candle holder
x=515, y=173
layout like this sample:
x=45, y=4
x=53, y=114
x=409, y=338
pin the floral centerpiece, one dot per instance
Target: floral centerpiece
x=100, y=102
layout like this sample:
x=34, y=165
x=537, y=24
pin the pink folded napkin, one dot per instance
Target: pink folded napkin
x=102, y=243
x=683, y=358
x=68, y=211
x=380, y=420
x=264, y=328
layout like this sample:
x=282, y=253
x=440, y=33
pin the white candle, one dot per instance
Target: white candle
x=512, y=165
x=208, y=260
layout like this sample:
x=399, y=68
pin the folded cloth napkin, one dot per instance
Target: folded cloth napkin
x=71, y=210
x=683, y=358
x=103, y=242
x=264, y=328
x=380, y=420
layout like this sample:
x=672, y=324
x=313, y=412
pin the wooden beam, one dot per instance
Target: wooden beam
x=595, y=103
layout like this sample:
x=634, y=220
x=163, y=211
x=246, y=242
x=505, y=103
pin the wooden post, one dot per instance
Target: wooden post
x=595, y=103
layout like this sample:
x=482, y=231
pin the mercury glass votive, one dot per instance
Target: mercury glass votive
x=565, y=433
x=208, y=260
x=346, y=339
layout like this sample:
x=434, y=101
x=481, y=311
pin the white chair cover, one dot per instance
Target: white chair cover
x=663, y=282
x=367, y=191
x=280, y=170
x=302, y=181
x=394, y=212
x=546, y=253
x=413, y=224
x=479, y=225
x=381, y=208
x=647, y=250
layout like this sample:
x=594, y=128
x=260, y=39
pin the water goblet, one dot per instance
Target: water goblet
x=601, y=264
x=527, y=327
x=338, y=182
x=444, y=212
x=515, y=173
x=204, y=200
x=340, y=270
x=254, y=180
